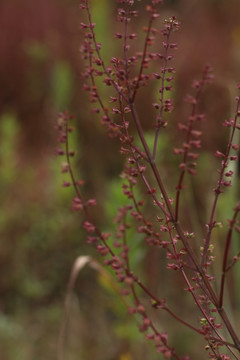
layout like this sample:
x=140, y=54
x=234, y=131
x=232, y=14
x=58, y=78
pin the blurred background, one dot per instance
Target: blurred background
x=40, y=238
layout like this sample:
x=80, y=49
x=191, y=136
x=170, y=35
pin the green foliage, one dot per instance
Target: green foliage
x=115, y=197
x=8, y=135
x=39, y=242
x=62, y=85
x=36, y=50
x=101, y=10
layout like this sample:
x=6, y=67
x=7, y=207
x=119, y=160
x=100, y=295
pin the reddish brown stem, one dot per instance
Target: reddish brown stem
x=186, y=151
x=226, y=252
x=219, y=186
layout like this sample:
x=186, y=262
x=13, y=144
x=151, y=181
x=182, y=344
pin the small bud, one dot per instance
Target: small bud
x=59, y=151
x=140, y=309
x=90, y=228
x=66, y=184
x=64, y=167
x=92, y=202
x=219, y=154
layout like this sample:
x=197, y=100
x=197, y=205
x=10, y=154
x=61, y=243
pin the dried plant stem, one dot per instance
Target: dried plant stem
x=163, y=229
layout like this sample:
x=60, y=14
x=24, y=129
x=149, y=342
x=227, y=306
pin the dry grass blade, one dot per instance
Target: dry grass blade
x=78, y=265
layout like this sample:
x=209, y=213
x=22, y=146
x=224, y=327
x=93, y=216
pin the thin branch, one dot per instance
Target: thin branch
x=218, y=190
x=226, y=252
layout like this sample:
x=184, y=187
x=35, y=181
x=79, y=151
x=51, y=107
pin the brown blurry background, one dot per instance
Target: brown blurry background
x=40, y=238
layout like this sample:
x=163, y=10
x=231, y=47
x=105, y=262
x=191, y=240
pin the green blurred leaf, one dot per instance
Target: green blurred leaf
x=62, y=85
x=36, y=50
x=8, y=133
